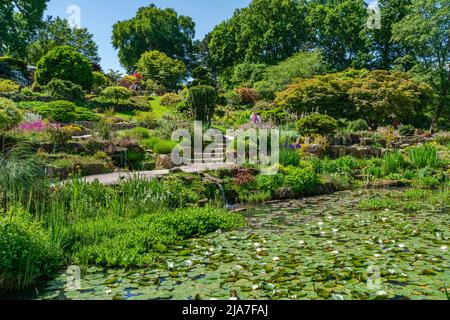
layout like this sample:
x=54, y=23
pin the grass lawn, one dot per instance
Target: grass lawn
x=157, y=109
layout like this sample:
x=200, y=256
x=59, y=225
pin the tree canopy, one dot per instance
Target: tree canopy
x=56, y=32
x=153, y=29
x=19, y=19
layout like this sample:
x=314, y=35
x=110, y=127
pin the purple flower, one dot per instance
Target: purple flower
x=36, y=126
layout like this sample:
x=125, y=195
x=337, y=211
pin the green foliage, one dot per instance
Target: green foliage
x=164, y=147
x=116, y=94
x=56, y=32
x=8, y=86
x=170, y=99
x=375, y=96
x=358, y=125
x=10, y=115
x=63, y=89
x=247, y=74
x=290, y=157
x=100, y=81
x=202, y=102
x=160, y=29
x=304, y=181
x=393, y=162
x=134, y=242
x=19, y=20
x=27, y=251
x=163, y=70
x=424, y=156
x=64, y=63
x=202, y=77
x=64, y=111
x=276, y=115
x=317, y=124
x=263, y=32
x=406, y=130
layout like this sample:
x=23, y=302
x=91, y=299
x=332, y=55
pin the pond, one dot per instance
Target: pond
x=325, y=247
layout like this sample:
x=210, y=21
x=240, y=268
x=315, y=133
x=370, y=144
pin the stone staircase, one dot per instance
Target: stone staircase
x=216, y=155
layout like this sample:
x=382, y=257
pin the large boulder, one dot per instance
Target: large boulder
x=164, y=162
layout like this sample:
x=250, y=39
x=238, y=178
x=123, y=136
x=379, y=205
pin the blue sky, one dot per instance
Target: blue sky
x=99, y=16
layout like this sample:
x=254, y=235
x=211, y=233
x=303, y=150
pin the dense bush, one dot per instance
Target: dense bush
x=135, y=242
x=10, y=115
x=202, y=102
x=64, y=63
x=64, y=111
x=8, y=86
x=116, y=94
x=303, y=181
x=100, y=81
x=63, y=89
x=164, y=147
x=248, y=95
x=358, y=125
x=316, y=124
x=247, y=74
x=375, y=96
x=170, y=99
x=162, y=69
x=277, y=115
x=27, y=251
x=406, y=130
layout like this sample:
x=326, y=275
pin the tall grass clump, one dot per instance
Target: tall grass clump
x=424, y=156
x=393, y=162
x=27, y=252
x=289, y=157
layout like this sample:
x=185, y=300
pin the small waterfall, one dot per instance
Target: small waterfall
x=224, y=197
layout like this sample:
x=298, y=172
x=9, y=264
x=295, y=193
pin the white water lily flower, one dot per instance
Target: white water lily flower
x=323, y=233
x=376, y=255
x=381, y=293
x=384, y=219
x=189, y=263
x=276, y=259
x=238, y=266
x=335, y=230
x=264, y=241
x=391, y=271
x=170, y=265
x=320, y=223
x=386, y=209
x=330, y=217
x=401, y=245
x=255, y=287
x=108, y=291
x=301, y=242
x=211, y=249
x=335, y=252
x=258, y=250
x=444, y=248
x=256, y=245
x=329, y=242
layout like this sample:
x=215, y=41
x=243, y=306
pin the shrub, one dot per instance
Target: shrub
x=27, y=251
x=248, y=73
x=64, y=111
x=248, y=95
x=290, y=157
x=10, y=115
x=393, y=162
x=424, y=156
x=406, y=130
x=303, y=181
x=150, y=142
x=358, y=125
x=202, y=102
x=116, y=94
x=100, y=81
x=164, y=147
x=63, y=89
x=277, y=115
x=147, y=119
x=136, y=133
x=317, y=124
x=170, y=99
x=162, y=69
x=8, y=86
x=135, y=242
x=233, y=99
x=64, y=63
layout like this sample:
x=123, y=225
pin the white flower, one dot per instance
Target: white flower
x=323, y=233
x=386, y=210
x=170, y=265
x=189, y=263
x=335, y=230
x=320, y=223
x=329, y=242
x=276, y=259
x=256, y=245
x=444, y=248
x=211, y=249
x=335, y=252
x=301, y=242
x=384, y=219
x=258, y=250
x=255, y=287
x=401, y=245
x=239, y=267
x=264, y=241
x=108, y=291
x=381, y=293
x=376, y=255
